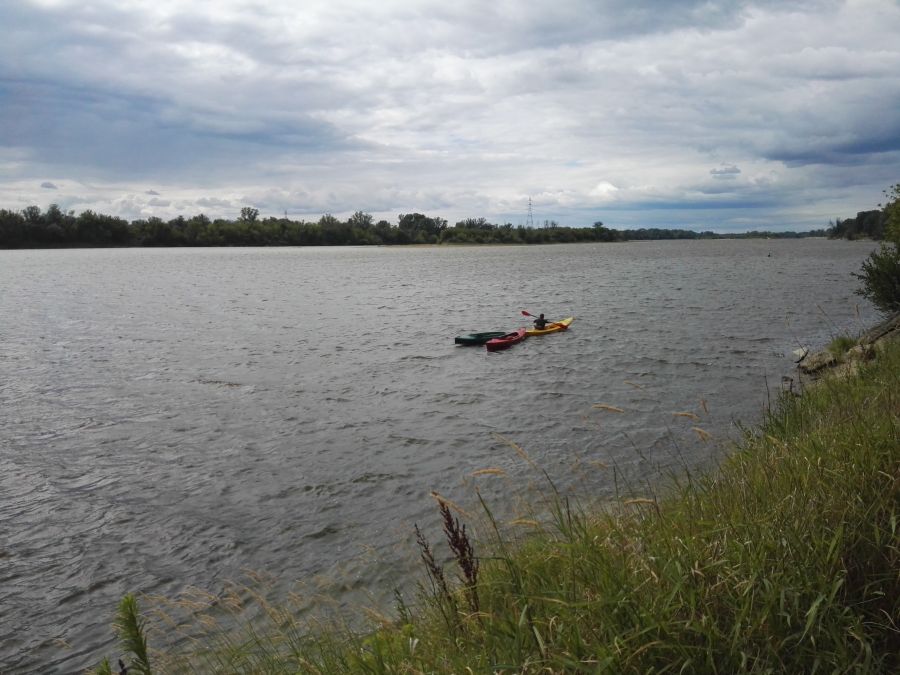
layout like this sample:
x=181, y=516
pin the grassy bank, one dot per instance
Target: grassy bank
x=785, y=559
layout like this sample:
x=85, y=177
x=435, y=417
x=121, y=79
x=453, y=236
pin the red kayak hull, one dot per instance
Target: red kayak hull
x=506, y=341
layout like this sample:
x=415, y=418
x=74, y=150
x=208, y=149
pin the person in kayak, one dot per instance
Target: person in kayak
x=540, y=323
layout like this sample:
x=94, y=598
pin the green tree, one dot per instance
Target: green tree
x=880, y=272
x=334, y=232
x=32, y=214
x=475, y=224
x=95, y=228
x=57, y=227
x=249, y=214
x=154, y=232
x=417, y=228
x=195, y=230
x=361, y=220
x=12, y=229
x=602, y=233
x=384, y=231
x=892, y=214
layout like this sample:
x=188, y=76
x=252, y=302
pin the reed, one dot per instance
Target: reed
x=786, y=558
x=130, y=629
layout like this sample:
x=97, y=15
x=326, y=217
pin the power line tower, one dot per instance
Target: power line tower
x=529, y=222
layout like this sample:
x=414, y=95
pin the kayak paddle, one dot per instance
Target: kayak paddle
x=555, y=323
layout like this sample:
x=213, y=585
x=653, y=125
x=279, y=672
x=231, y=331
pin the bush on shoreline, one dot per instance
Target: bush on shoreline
x=784, y=559
x=880, y=272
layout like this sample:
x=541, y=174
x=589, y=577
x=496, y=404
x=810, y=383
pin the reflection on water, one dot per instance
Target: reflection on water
x=171, y=417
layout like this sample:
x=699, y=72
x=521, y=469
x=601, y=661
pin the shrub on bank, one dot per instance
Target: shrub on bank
x=880, y=275
x=785, y=559
x=880, y=272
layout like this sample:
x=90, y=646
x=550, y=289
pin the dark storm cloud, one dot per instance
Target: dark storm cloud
x=852, y=151
x=111, y=133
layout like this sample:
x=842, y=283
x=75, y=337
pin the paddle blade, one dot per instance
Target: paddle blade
x=524, y=313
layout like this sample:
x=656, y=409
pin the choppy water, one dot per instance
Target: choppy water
x=171, y=417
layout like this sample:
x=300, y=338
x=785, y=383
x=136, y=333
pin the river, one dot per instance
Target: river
x=174, y=417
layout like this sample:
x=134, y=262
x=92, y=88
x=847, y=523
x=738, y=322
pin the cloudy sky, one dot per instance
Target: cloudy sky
x=699, y=114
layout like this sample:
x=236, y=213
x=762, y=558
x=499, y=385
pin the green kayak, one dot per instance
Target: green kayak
x=478, y=338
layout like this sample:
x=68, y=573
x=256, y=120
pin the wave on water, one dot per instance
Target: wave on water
x=178, y=431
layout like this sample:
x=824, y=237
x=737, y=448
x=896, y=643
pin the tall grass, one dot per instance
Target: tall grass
x=840, y=345
x=784, y=559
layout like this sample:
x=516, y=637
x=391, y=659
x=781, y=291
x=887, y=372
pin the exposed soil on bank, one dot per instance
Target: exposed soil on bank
x=813, y=366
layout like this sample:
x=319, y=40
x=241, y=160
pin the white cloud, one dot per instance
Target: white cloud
x=460, y=110
x=604, y=191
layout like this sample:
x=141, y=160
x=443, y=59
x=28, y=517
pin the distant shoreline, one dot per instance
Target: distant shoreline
x=452, y=244
x=33, y=229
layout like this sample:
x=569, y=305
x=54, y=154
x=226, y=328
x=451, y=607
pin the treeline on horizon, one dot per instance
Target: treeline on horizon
x=866, y=225
x=54, y=228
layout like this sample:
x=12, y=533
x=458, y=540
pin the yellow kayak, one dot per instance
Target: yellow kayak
x=552, y=327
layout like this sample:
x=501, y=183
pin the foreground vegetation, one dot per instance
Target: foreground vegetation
x=32, y=228
x=784, y=559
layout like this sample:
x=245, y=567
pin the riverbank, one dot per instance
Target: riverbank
x=784, y=559
x=845, y=353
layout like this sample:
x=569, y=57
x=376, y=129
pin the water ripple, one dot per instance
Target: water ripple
x=173, y=417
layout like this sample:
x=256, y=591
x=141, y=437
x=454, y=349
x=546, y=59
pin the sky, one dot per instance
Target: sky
x=706, y=115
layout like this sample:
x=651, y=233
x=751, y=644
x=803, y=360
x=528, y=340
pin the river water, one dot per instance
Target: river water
x=173, y=417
